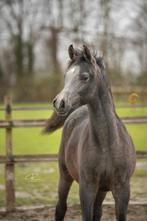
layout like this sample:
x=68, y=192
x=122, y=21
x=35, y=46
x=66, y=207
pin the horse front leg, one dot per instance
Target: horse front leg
x=121, y=196
x=97, y=212
x=87, y=197
x=65, y=182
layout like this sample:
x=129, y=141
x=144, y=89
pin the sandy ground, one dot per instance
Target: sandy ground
x=135, y=213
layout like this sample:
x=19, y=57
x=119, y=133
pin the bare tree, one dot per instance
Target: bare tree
x=61, y=18
x=17, y=17
x=140, y=29
x=52, y=17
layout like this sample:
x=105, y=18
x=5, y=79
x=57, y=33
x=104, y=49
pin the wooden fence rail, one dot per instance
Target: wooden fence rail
x=10, y=159
x=41, y=122
x=49, y=107
x=45, y=158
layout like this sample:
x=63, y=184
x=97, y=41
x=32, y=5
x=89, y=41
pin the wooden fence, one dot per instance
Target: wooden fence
x=10, y=159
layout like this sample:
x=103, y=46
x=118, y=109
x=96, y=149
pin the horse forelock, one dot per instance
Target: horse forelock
x=79, y=58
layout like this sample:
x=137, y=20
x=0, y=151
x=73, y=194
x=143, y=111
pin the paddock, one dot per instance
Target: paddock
x=73, y=213
x=137, y=207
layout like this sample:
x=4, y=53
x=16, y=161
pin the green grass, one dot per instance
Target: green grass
x=139, y=135
x=37, y=184
x=132, y=112
x=30, y=140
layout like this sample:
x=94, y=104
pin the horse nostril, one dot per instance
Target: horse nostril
x=62, y=104
x=54, y=102
x=59, y=104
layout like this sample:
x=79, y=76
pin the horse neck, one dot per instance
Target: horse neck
x=102, y=117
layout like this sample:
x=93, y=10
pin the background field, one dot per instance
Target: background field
x=30, y=140
x=37, y=183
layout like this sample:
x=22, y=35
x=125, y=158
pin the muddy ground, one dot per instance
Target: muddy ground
x=135, y=213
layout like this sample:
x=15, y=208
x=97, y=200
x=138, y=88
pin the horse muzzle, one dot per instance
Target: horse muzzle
x=60, y=105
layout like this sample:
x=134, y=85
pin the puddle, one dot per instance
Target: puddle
x=2, y=187
x=23, y=195
x=142, y=165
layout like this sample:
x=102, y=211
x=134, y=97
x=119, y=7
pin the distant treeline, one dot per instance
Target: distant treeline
x=34, y=37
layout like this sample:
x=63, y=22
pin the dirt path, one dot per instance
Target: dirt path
x=135, y=213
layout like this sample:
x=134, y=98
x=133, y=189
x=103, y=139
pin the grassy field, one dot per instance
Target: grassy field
x=37, y=183
x=30, y=140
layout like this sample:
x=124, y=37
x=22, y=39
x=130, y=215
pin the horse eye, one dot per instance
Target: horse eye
x=84, y=77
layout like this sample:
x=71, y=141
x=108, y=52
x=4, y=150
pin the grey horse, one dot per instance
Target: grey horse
x=96, y=149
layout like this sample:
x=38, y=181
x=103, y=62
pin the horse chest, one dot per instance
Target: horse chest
x=97, y=167
x=71, y=161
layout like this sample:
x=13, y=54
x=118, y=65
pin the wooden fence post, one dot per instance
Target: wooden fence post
x=9, y=167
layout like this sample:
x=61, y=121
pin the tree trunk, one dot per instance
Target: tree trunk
x=19, y=57
x=56, y=68
x=30, y=53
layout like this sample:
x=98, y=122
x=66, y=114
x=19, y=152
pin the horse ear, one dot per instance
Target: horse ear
x=87, y=53
x=71, y=52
